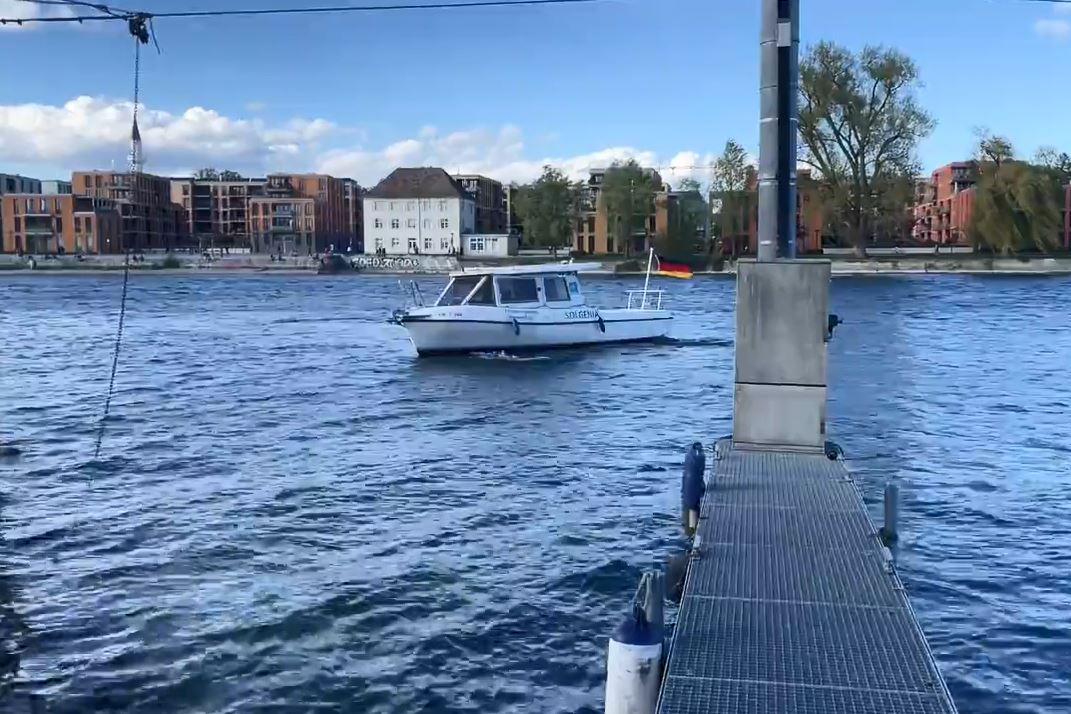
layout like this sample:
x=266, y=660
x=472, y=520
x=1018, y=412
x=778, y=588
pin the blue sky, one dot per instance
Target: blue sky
x=499, y=90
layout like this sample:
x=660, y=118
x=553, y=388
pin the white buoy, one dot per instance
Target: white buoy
x=634, y=657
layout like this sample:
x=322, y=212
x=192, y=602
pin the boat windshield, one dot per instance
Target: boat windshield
x=458, y=290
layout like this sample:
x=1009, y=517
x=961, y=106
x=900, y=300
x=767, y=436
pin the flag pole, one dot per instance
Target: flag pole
x=647, y=280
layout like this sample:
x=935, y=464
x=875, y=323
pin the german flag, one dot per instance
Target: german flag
x=672, y=270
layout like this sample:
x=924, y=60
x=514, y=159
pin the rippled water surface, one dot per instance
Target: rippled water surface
x=293, y=513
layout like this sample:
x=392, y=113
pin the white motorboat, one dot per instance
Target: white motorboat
x=527, y=307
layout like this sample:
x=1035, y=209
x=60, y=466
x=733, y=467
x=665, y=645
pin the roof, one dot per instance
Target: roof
x=530, y=269
x=422, y=182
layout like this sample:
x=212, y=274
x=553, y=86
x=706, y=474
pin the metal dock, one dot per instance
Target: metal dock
x=791, y=603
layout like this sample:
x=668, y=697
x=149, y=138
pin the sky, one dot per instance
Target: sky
x=499, y=91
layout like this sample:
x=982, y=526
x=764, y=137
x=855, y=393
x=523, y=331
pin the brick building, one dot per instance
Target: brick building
x=810, y=218
x=58, y=223
x=215, y=211
x=593, y=235
x=149, y=220
x=283, y=224
x=945, y=203
x=352, y=210
x=490, y=200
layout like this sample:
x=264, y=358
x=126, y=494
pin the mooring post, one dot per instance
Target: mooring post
x=891, y=530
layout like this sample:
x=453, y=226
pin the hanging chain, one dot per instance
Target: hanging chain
x=115, y=356
x=138, y=40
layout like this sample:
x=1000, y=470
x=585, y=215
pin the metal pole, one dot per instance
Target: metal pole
x=779, y=120
x=647, y=280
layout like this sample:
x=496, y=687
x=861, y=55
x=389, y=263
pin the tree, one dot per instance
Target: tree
x=207, y=174
x=628, y=191
x=860, y=125
x=731, y=191
x=229, y=175
x=1058, y=163
x=993, y=149
x=549, y=208
x=1018, y=206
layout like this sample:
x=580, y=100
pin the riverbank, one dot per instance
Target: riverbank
x=968, y=264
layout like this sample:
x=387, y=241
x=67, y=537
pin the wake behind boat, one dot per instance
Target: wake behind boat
x=526, y=307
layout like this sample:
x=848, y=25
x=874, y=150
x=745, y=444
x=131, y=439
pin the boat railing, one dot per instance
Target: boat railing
x=645, y=299
x=411, y=294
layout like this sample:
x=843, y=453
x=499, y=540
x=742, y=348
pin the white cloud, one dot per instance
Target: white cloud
x=1055, y=28
x=89, y=132
x=92, y=132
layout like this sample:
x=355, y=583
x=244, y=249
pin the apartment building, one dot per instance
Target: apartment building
x=216, y=211
x=56, y=186
x=419, y=211
x=351, y=196
x=593, y=234
x=281, y=224
x=945, y=203
x=490, y=199
x=14, y=183
x=37, y=223
x=332, y=223
x=149, y=220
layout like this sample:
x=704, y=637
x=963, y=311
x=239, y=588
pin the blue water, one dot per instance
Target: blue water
x=293, y=513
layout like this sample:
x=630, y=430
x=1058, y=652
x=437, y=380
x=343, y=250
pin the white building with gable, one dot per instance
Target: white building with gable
x=417, y=211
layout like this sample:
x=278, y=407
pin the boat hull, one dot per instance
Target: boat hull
x=451, y=336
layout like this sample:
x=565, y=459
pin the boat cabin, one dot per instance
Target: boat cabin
x=517, y=287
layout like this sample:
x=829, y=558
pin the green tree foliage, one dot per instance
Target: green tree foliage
x=210, y=174
x=628, y=193
x=732, y=192
x=549, y=208
x=1017, y=205
x=1057, y=163
x=860, y=125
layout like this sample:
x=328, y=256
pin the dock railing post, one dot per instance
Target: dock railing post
x=890, y=531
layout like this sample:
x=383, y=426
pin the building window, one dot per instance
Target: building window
x=379, y=243
x=591, y=224
x=427, y=244
x=427, y=223
x=18, y=224
x=411, y=223
x=395, y=223
x=379, y=223
x=59, y=224
x=444, y=244
x=394, y=242
x=393, y=205
x=477, y=244
x=378, y=205
x=412, y=245
x=410, y=205
x=444, y=223
x=425, y=204
x=442, y=205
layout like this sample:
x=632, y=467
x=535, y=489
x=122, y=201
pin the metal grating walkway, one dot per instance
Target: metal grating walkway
x=791, y=605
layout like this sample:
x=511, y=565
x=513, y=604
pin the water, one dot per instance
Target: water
x=291, y=511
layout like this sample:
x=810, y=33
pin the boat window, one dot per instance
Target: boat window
x=484, y=295
x=458, y=290
x=555, y=289
x=514, y=290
